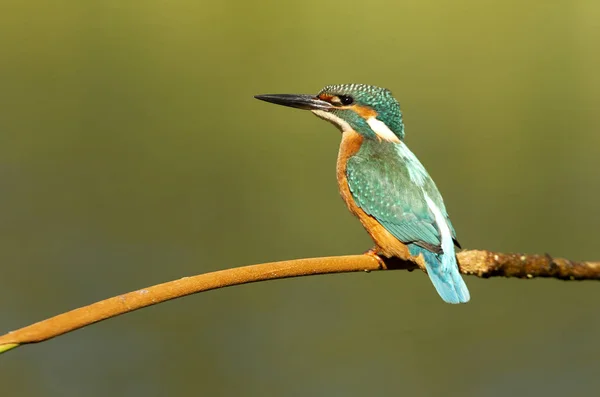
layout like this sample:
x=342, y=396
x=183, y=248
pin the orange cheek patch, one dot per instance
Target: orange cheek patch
x=364, y=111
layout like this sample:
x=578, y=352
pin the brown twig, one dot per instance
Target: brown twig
x=480, y=263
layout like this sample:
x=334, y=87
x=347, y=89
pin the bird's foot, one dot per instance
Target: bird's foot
x=373, y=253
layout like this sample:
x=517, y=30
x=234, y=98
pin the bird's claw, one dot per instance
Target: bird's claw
x=373, y=253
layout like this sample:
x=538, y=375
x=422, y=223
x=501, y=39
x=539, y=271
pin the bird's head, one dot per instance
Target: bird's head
x=370, y=111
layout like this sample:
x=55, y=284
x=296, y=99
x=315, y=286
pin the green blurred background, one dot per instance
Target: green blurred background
x=132, y=153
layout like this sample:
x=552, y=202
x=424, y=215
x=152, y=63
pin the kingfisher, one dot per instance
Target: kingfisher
x=383, y=183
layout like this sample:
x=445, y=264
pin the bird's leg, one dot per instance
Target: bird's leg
x=374, y=254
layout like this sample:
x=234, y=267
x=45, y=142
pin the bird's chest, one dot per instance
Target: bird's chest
x=381, y=163
x=350, y=145
x=386, y=243
x=381, y=166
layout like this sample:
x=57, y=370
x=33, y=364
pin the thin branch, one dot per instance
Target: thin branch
x=480, y=263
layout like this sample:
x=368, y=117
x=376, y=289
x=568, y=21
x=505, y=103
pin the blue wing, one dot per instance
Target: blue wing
x=385, y=187
x=389, y=183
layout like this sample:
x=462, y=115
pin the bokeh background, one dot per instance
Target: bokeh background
x=132, y=153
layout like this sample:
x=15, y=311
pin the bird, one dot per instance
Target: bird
x=383, y=183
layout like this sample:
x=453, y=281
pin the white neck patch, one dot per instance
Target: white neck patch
x=382, y=130
x=332, y=118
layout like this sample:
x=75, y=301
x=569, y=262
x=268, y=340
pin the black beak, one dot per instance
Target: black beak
x=307, y=102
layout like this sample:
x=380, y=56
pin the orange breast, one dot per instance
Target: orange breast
x=386, y=243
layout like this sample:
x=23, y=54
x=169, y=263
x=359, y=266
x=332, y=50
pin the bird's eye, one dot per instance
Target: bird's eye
x=346, y=100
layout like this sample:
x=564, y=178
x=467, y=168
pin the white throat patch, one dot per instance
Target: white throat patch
x=382, y=130
x=332, y=118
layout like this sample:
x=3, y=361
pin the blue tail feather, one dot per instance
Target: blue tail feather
x=443, y=272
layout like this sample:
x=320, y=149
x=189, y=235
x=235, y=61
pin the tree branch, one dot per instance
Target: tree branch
x=480, y=263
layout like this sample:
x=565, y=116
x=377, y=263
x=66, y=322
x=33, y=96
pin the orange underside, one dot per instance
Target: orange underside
x=387, y=244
